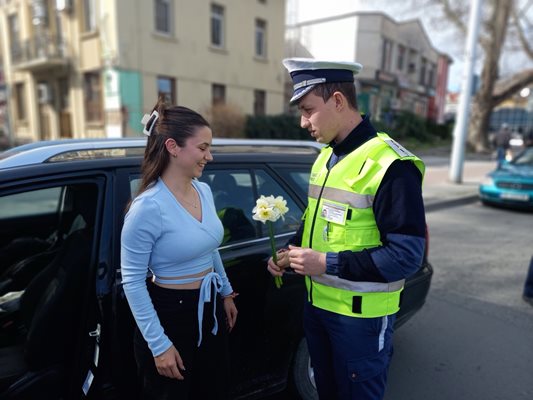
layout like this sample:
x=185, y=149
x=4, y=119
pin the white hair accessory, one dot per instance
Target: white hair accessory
x=149, y=122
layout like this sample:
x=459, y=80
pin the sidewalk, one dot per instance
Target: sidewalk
x=438, y=191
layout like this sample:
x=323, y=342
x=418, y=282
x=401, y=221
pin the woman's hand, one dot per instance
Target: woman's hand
x=231, y=312
x=170, y=363
x=276, y=269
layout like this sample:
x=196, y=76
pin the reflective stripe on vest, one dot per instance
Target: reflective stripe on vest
x=351, y=184
x=361, y=287
x=354, y=200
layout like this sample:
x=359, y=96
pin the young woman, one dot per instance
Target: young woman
x=172, y=230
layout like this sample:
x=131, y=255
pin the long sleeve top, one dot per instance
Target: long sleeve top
x=160, y=235
x=399, y=211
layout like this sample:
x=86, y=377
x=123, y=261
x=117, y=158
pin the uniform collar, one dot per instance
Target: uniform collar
x=359, y=135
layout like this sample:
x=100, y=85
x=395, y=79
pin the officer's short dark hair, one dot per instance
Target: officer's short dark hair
x=326, y=90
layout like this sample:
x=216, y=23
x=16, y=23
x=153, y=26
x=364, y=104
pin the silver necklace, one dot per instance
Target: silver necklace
x=188, y=202
x=191, y=204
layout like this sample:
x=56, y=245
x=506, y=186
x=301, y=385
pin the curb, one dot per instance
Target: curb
x=439, y=205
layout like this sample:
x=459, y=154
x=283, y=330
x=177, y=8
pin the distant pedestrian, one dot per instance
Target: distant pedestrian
x=528, y=286
x=503, y=138
x=528, y=138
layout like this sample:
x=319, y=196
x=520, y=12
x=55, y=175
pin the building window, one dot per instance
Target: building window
x=218, y=93
x=89, y=17
x=163, y=16
x=39, y=13
x=422, y=77
x=166, y=89
x=92, y=87
x=401, y=58
x=259, y=102
x=431, y=76
x=386, y=54
x=260, y=38
x=217, y=25
x=14, y=37
x=411, y=66
x=20, y=101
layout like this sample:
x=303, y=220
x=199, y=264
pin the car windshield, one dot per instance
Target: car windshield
x=524, y=158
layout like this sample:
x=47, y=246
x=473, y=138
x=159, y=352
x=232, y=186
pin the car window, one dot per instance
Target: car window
x=266, y=185
x=35, y=202
x=135, y=182
x=234, y=200
x=297, y=177
x=525, y=158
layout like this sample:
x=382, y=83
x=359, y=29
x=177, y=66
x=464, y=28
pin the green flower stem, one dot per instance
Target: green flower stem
x=277, y=279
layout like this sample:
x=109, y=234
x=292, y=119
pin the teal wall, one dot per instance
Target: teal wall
x=131, y=98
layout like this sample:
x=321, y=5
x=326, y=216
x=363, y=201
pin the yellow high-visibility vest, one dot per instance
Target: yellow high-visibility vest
x=340, y=217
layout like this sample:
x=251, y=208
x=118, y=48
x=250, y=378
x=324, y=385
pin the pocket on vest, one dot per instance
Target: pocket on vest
x=362, y=237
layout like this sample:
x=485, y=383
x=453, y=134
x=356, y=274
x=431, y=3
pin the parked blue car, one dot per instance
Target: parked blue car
x=510, y=185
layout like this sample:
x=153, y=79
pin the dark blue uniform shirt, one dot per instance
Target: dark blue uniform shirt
x=399, y=211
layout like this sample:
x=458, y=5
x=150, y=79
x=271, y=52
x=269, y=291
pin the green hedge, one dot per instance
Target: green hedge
x=405, y=125
x=275, y=127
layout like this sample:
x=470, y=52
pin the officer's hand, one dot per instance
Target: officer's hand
x=305, y=261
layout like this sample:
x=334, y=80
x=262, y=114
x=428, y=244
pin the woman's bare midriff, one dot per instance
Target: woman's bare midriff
x=181, y=286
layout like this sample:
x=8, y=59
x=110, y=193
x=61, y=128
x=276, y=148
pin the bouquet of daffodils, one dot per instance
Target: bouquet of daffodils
x=268, y=210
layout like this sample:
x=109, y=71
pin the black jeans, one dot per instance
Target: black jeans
x=207, y=367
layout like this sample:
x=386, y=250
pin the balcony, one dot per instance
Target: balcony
x=40, y=52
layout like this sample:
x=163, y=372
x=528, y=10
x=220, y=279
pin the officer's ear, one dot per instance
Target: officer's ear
x=340, y=101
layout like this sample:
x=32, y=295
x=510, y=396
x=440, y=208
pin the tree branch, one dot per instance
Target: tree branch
x=521, y=36
x=505, y=88
x=453, y=15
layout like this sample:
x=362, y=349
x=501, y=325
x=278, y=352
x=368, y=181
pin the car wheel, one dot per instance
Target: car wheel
x=303, y=377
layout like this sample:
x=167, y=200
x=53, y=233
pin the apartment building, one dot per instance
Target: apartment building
x=92, y=68
x=401, y=68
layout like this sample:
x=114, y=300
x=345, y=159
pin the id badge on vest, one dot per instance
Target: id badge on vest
x=334, y=212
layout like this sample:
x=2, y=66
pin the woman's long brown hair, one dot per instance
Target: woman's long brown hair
x=174, y=122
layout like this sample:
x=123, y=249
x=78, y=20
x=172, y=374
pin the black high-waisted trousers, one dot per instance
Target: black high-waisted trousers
x=207, y=367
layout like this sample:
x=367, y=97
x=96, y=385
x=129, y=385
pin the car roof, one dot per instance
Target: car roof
x=54, y=151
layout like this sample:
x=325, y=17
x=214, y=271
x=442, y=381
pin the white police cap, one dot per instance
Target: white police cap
x=306, y=73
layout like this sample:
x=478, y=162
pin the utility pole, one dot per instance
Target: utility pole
x=461, y=123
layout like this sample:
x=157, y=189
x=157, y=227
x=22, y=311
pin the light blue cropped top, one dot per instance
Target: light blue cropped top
x=160, y=235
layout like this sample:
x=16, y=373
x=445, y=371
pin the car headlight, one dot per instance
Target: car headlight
x=487, y=181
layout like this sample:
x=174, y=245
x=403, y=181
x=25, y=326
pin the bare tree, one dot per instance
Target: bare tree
x=506, y=29
x=226, y=120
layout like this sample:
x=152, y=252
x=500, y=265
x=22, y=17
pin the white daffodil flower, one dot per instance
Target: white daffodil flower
x=270, y=209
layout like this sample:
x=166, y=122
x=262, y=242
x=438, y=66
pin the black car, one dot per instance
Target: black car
x=65, y=326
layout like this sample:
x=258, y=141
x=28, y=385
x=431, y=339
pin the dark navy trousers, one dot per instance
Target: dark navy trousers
x=350, y=356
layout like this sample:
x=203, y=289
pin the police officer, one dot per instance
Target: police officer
x=363, y=233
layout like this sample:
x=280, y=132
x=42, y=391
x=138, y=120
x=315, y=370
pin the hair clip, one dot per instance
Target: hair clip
x=149, y=122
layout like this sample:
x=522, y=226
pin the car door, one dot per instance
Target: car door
x=269, y=319
x=49, y=311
